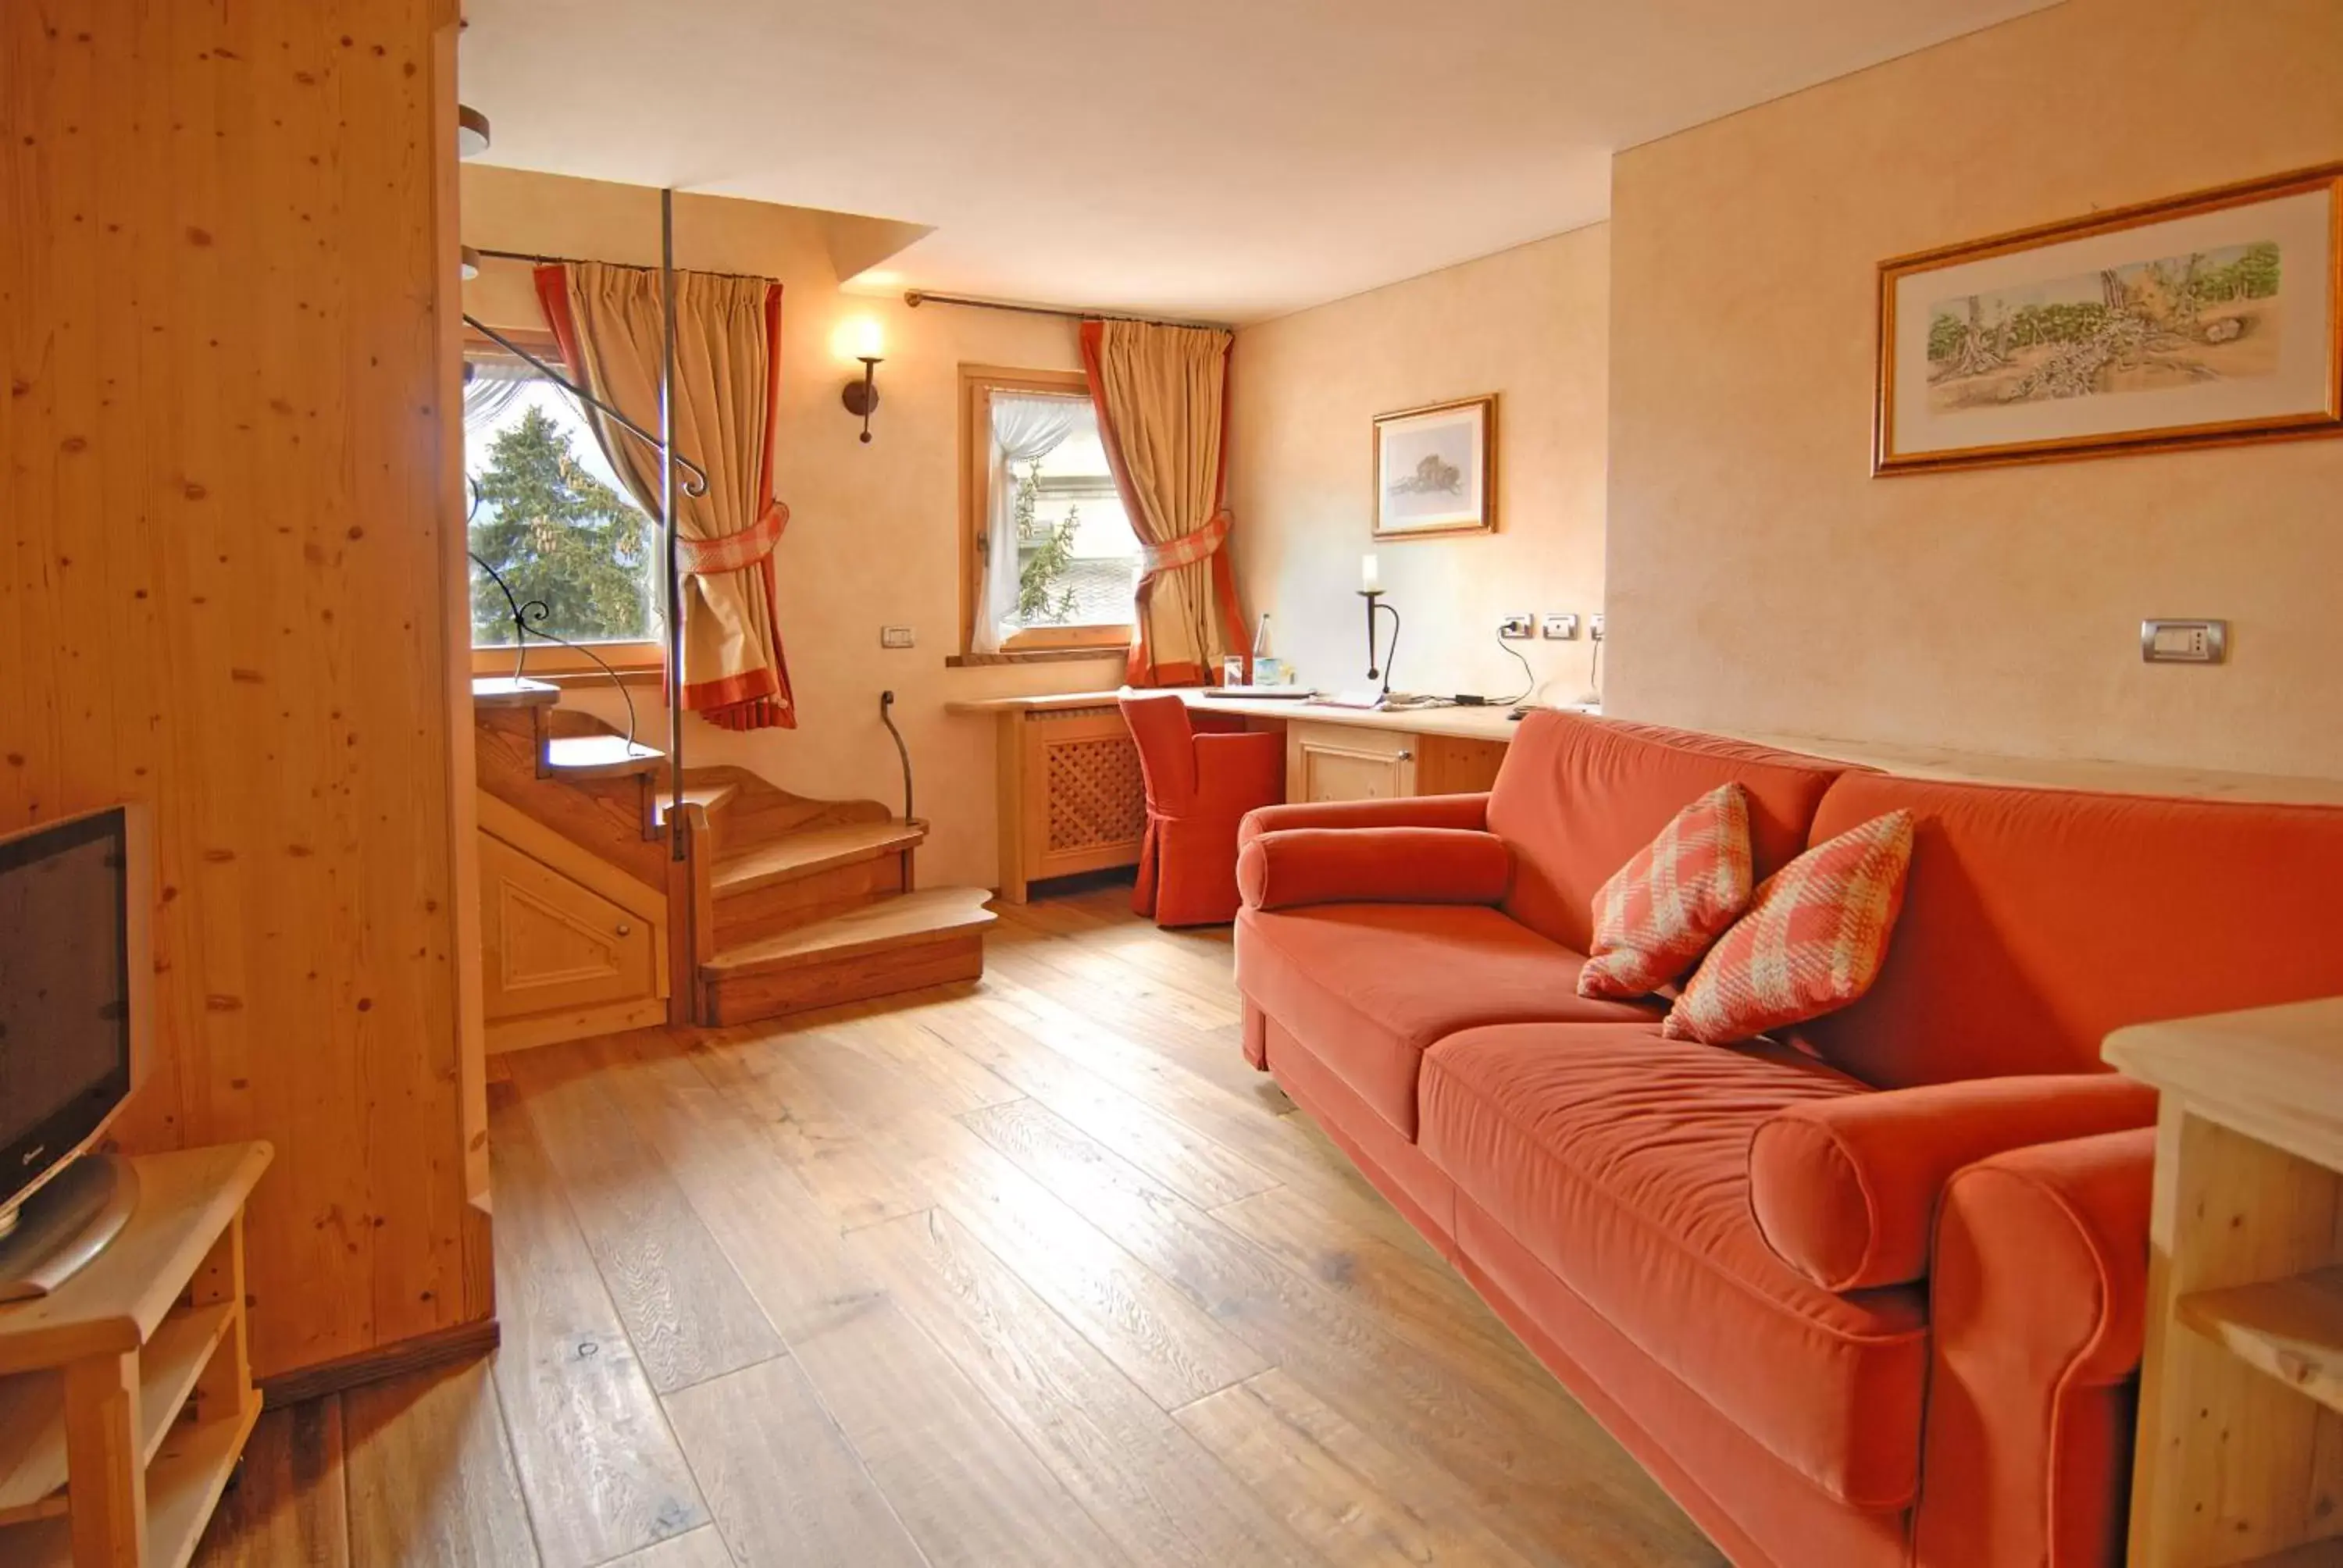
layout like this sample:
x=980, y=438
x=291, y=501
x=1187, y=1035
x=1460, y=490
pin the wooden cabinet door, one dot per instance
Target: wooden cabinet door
x=1348, y=763
x=558, y=954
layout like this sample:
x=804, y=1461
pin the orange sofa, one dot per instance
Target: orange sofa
x=1868, y=1296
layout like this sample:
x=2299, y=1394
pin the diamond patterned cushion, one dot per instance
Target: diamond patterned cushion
x=1812, y=942
x=1658, y=912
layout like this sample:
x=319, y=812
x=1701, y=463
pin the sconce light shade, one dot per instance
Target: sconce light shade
x=858, y=337
x=468, y=264
x=472, y=132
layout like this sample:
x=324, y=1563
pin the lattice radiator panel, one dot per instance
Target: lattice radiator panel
x=1098, y=799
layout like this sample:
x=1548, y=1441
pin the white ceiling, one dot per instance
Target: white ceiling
x=1230, y=159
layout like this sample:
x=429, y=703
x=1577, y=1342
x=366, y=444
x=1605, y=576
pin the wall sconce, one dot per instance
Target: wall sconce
x=472, y=132
x=468, y=263
x=859, y=339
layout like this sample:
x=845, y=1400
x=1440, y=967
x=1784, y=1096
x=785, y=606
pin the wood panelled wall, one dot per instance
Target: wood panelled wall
x=225, y=589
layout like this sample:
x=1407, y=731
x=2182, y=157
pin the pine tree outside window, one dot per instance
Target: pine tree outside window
x=557, y=524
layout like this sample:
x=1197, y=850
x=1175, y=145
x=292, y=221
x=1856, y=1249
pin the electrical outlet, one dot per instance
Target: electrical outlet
x=2183, y=642
x=1515, y=627
x=1558, y=628
x=894, y=637
x=1594, y=626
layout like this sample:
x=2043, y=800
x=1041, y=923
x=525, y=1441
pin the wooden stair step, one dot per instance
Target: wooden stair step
x=600, y=757
x=803, y=854
x=906, y=919
x=709, y=797
x=512, y=692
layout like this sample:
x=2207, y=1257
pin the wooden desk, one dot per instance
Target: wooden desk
x=1071, y=798
x=2239, y=1455
x=126, y=1395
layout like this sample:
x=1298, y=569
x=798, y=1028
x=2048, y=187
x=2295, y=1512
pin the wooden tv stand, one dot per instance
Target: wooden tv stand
x=125, y=1396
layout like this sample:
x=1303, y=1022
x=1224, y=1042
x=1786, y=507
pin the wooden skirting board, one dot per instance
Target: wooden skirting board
x=459, y=1342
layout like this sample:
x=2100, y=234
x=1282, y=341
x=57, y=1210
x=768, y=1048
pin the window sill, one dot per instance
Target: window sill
x=1033, y=656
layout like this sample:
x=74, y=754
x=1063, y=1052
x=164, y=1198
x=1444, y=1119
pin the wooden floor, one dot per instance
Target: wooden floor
x=1033, y=1272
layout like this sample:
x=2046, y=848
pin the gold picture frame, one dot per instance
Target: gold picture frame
x=2205, y=319
x=1436, y=469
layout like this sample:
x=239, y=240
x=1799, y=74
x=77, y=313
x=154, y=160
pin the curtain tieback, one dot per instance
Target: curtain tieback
x=1187, y=549
x=710, y=557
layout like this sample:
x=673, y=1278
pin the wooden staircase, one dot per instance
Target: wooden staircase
x=779, y=903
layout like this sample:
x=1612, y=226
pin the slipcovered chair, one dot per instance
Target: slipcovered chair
x=1199, y=787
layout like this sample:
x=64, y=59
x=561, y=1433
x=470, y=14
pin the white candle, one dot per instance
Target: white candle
x=1371, y=576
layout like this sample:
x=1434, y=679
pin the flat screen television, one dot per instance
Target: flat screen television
x=76, y=966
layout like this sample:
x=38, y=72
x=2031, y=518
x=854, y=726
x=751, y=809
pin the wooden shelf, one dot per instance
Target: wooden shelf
x=131, y=1380
x=33, y=1411
x=2291, y=1328
x=182, y=1485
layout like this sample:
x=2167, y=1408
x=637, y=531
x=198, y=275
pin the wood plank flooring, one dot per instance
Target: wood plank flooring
x=1030, y=1272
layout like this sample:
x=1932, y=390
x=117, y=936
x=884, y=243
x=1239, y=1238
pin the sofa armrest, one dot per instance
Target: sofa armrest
x=1846, y=1191
x=1297, y=866
x=1237, y=772
x=1468, y=812
x=2035, y=1317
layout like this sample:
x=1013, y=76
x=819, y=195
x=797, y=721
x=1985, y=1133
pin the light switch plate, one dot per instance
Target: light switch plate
x=1558, y=628
x=894, y=637
x=1515, y=627
x=2183, y=642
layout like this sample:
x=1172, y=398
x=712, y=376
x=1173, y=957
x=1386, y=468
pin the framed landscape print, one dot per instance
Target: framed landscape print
x=2204, y=319
x=1436, y=470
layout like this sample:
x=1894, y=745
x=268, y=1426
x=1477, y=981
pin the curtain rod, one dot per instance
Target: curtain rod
x=536, y=260
x=915, y=297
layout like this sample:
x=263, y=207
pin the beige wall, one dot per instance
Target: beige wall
x=872, y=533
x=1528, y=323
x=1759, y=579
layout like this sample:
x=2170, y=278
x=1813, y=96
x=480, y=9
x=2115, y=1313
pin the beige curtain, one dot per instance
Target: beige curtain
x=609, y=321
x=1162, y=395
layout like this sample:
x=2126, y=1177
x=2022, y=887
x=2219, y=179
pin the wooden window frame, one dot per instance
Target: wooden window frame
x=977, y=385
x=636, y=662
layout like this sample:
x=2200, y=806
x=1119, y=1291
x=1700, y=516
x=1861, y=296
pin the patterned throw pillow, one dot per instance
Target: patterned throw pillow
x=1812, y=942
x=1658, y=912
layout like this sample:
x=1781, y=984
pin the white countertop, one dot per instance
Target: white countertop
x=1911, y=761
x=1487, y=723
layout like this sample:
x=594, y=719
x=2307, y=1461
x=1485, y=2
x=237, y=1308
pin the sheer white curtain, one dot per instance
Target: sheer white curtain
x=1026, y=428
x=489, y=390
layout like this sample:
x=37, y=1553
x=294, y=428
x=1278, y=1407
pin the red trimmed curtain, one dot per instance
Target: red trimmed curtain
x=1162, y=398
x=610, y=324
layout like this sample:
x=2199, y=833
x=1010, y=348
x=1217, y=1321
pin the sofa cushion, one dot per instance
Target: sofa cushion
x=2036, y=921
x=1660, y=911
x=1578, y=796
x=1812, y=942
x=1370, y=986
x=1620, y=1160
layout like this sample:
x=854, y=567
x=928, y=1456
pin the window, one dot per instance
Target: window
x=1049, y=562
x=554, y=520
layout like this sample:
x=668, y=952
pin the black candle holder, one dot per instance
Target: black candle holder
x=1374, y=598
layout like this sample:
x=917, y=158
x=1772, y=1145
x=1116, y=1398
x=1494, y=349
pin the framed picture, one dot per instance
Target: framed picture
x=1436, y=470
x=2201, y=320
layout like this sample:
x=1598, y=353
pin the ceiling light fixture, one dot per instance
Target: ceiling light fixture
x=472, y=132
x=467, y=265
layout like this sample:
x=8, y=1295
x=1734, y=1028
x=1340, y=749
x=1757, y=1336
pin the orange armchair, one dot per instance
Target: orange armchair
x=1199, y=787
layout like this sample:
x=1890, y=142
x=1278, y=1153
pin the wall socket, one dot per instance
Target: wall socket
x=894, y=637
x=2183, y=642
x=1516, y=628
x=1558, y=628
x=1594, y=626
